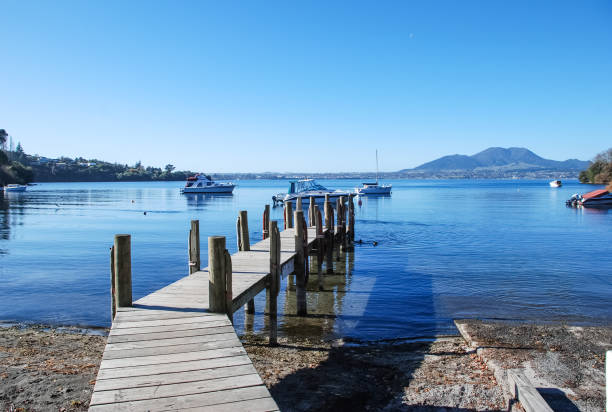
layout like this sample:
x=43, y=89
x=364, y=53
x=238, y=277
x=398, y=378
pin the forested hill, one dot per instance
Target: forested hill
x=495, y=158
x=65, y=169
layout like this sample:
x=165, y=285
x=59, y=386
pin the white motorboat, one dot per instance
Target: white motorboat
x=374, y=188
x=555, y=183
x=204, y=184
x=307, y=188
x=15, y=188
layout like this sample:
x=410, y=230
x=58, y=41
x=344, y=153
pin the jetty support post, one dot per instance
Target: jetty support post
x=288, y=215
x=194, y=247
x=339, y=233
x=311, y=212
x=350, y=230
x=329, y=226
x=245, y=246
x=300, y=263
x=320, y=242
x=112, y=290
x=218, y=275
x=266, y=223
x=228, y=286
x=122, y=261
x=298, y=203
x=273, y=288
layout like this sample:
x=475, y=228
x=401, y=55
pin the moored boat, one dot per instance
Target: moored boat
x=201, y=183
x=307, y=188
x=15, y=188
x=374, y=188
x=555, y=183
x=596, y=198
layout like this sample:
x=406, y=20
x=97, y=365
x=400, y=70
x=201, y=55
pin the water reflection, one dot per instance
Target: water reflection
x=200, y=200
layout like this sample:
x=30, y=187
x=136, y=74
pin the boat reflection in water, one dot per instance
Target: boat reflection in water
x=198, y=200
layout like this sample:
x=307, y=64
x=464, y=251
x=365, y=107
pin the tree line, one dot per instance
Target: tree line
x=600, y=171
x=18, y=167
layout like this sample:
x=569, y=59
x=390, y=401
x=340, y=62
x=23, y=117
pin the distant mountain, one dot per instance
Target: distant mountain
x=499, y=158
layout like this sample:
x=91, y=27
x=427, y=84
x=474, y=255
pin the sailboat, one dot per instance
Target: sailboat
x=369, y=188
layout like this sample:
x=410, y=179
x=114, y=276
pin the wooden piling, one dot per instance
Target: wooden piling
x=329, y=244
x=351, y=222
x=288, y=215
x=266, y=222
x=216, y=274
x=245, y=246
x=311, y=212
x=123, y=270
x=194, y=247
x=342, y=223
x=298, y=203
x=273, y=289
x=300, y=264
x=245, y=243
x=228, y=286
x=112, y=272
x=320, y=242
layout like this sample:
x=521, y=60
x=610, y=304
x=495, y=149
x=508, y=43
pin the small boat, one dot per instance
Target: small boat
x=204, y=184
x=555, y=183
x=307, y=188
x=592, y=199
x=374, y=188
x=15, y=188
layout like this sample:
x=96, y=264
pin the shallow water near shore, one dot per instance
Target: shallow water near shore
x=446, y=249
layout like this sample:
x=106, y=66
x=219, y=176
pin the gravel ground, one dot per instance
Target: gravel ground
x=442, y=375
x=47, y=369
x=565, y=363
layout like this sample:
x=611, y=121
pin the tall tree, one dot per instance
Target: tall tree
x=3, y=136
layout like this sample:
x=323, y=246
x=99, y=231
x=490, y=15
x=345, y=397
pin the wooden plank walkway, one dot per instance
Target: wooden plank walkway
x=168, y=352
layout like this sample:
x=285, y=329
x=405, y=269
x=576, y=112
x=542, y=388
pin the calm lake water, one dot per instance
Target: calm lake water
x=446, y=249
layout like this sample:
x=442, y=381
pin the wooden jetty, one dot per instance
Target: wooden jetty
x=176, y=349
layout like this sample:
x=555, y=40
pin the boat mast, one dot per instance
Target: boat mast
x=377, y=166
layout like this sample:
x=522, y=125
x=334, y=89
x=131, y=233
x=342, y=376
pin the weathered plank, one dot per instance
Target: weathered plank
x=179, y=403
x=175, y=389
x=231, y=357
x=218, y=334
x=526, y=393
x=176, y=377
x=222, y=341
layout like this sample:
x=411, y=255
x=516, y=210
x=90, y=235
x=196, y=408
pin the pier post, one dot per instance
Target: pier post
x=288, y=215
x=245, y=246
x=329, y=226
x=274, y=287
x=217, y=275
x=112, y=272
x=194, y=247
x=266, y=222
x=123, y=270
x=228, y=286
x=320, y=242
x=311, y=212
x=339, y=224
x=351, y=222
x=342, y=223
x=300, y=264
x=245, y=243
x=298, y=203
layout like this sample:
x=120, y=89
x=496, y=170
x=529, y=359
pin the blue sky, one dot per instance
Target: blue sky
x=305, y=86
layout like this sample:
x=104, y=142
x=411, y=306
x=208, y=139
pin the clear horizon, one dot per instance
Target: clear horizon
x=311, y=87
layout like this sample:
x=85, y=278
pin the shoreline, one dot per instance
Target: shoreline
x=54, y=367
